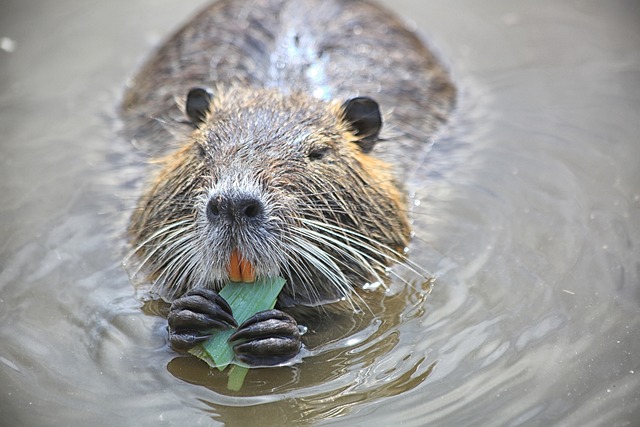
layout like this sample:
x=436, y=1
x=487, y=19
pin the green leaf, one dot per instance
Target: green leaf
x=245, y=299
x=236, y=377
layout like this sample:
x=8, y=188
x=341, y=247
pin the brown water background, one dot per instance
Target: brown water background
x=527, y=212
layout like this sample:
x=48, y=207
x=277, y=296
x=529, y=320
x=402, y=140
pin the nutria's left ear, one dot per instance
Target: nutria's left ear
x=198, y=102
x=363, y=114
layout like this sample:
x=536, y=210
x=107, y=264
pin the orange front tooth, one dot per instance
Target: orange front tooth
x=234, y=269
x=248, y=273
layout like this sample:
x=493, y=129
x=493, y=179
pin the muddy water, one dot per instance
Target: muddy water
x=527, y=212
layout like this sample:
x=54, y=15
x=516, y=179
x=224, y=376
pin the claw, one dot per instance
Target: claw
x=267, y=351
x=201, y=308
x=187, y=319
x=186, y=340
x=266, y=323
x=267, y=328
x=268, y=315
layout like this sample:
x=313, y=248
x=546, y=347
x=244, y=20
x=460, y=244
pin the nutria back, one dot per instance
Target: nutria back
x=330, y=49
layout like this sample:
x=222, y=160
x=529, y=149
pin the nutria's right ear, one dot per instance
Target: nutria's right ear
x=198, y=102
x=363, y=114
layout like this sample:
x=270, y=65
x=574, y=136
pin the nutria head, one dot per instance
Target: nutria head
x=284, y=182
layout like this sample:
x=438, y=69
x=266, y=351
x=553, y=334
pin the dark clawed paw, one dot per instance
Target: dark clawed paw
x=194, y=316
x=268, y=338
x=185, y=340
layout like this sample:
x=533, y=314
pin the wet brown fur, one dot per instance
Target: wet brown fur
x=349, y=204
x=351, y=190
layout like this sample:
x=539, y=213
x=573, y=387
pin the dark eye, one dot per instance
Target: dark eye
x=319, y=153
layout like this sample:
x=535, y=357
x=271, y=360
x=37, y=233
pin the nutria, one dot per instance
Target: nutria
x=282, y=166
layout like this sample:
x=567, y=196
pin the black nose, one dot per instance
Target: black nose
x=234, y=208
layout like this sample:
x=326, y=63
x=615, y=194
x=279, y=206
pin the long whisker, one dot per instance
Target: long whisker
x=361, y=239
x=324, y=264
x=160, y=239
x=342, y=247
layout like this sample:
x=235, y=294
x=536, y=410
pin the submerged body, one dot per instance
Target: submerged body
x=282, y=164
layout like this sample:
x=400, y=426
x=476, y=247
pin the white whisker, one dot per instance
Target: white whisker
x=395, y=257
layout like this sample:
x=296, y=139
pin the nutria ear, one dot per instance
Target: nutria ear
x=363, y=114
x=198, y=102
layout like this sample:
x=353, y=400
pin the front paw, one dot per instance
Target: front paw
x=268, y=338
x=195, y=316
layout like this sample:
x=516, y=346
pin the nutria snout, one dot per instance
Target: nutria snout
x=235, y=208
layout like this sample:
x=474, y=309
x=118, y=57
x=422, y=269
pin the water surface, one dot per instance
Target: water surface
x=527, y=212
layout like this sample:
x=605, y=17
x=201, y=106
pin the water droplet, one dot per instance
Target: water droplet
x=319, y=93
x=371, y=286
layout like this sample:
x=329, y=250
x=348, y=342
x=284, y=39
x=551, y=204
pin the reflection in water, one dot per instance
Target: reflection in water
x=352, y=359
x=527, y=216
